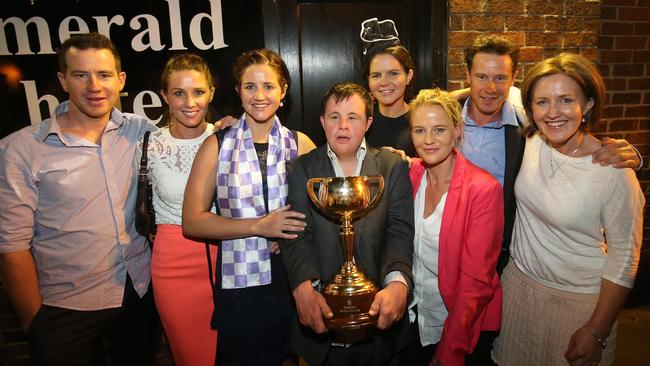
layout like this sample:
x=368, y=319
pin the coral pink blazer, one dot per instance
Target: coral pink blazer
x=470, y=243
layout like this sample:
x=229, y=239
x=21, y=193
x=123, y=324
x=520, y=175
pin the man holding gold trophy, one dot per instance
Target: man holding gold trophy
x=350, y=270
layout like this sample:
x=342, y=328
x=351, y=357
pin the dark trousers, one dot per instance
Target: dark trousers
x=416, y=354
x=265, y=347
x=481, y=355
x=59, y=336
x=359, y=354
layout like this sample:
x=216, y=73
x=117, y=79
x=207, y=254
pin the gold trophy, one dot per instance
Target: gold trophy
x=350, y=293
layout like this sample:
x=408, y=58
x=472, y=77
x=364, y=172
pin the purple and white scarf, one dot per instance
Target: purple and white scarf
x=246, y=262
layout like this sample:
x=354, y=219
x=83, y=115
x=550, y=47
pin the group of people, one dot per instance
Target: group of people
x=494, y=179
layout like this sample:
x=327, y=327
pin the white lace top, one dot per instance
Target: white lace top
x=170, y=162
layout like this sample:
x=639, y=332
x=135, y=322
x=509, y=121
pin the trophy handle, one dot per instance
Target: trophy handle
x=310, y=190
x=380, y=191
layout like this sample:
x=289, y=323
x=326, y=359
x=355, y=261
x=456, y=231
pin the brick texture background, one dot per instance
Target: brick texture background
x=542, y=28
x=613, y=33
x=624, y=44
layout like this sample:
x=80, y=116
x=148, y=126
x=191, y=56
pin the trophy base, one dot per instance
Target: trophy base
x=351, y=322
x=350, y=330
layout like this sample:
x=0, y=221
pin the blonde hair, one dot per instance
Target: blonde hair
x=443, y=99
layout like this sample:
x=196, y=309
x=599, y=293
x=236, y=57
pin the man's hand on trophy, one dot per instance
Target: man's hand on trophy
x=312, y=307
x=389, y=303
x=280, y=224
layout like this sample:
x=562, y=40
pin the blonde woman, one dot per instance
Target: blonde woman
x=458, y=232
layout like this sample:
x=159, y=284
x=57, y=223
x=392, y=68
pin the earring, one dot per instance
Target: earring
x=282, y=105
x=583, y=118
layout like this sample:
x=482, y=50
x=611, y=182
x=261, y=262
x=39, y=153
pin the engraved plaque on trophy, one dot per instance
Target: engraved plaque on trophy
x=350, y=293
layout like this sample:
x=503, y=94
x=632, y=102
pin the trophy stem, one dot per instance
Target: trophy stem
x=347, y=243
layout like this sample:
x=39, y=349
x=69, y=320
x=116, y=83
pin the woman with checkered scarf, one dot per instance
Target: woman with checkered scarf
x=248, y=162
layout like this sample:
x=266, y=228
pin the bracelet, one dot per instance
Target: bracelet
x=596, y=336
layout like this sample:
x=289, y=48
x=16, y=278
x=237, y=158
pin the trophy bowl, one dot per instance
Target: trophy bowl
x=350, y=292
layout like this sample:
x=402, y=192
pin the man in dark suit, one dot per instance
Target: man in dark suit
x=384, y=237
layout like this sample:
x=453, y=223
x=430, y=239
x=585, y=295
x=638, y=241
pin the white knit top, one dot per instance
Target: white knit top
x=577, y=222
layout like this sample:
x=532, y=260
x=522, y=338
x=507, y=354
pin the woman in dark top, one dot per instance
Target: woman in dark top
x=389, y=69
x=248, y=163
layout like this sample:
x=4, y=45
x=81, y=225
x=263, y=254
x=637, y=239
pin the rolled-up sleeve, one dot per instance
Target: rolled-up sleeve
x=19, y=194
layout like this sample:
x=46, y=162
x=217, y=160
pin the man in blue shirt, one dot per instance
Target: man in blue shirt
x=493, y=138
x=71, y=261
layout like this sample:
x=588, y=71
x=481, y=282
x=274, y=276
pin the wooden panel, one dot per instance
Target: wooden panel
x=331, y=50
x=319, y=41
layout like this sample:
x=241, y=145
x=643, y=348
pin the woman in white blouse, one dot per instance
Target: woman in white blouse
x=578, y=227
x=179, y=265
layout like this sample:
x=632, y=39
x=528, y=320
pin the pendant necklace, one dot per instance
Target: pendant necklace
x=555, y=166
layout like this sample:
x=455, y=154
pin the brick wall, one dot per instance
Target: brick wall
x=614, y=33
x=542, y=28
x=624, y=45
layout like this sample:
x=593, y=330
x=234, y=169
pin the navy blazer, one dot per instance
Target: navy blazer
x=515, y=143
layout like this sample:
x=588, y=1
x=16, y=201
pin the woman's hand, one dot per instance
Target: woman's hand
x=274, y=247
x=226, y=121
x=401, y=153
x=584, y=349
x=277, y=223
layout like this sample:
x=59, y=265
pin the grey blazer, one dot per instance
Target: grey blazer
x=384, y=242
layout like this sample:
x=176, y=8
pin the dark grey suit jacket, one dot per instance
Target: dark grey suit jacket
x=384, y=242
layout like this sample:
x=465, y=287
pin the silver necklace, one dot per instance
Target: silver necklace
x=556, y=166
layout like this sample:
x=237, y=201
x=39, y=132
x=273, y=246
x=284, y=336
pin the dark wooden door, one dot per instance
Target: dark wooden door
x=319, y=41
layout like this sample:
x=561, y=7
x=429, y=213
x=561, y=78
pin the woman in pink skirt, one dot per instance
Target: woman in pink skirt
x=179, y=267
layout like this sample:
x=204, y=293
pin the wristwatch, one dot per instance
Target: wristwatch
x=317, y=284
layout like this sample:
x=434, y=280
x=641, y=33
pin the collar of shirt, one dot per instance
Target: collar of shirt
x=361, y=154
x=508, y=116
x=51, y=126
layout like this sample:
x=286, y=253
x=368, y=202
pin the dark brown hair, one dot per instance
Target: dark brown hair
x=343, y=91
x=86, y=41
x=402, y=56
x=261, y=56
x=494, y=45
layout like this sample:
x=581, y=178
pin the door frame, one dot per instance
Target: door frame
x=427, y=40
